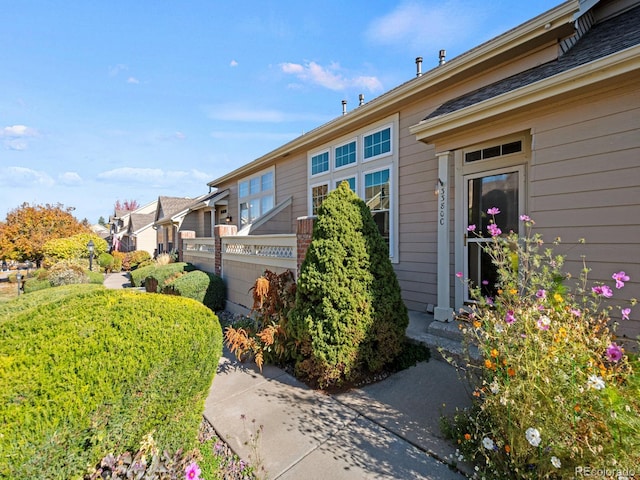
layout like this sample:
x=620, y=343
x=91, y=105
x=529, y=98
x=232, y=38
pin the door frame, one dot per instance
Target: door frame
x=461, y=215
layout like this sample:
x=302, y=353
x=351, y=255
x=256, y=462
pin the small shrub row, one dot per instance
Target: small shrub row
x=88, y=371
x=204, y=287
x=160, y=273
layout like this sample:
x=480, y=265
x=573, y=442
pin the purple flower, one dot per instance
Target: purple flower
x=620, y=278
x=493, y=211
x=485, y=282
x=525, y=218
x=509, y=317
x=625, y=313
x=541, y=293
x=471, y=228
x=614, y=353
x=494, y=230
x=603, y=290
x=489, y=300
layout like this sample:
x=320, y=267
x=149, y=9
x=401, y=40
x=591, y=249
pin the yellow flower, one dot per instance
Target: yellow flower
x=557, y=297
x=489, y=364
x=513, y=291
x=494, y=353
x=499, y=291
x=476, y=324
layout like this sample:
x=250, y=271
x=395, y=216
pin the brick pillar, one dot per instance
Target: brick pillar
x=218, y=232
x=304, y=233
x=181, y=236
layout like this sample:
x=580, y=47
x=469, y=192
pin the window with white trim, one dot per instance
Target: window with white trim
x=368, y=161
x=256, y=196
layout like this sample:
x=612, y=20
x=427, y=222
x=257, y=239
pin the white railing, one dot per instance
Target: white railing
x=197, y=246
x=268, y=250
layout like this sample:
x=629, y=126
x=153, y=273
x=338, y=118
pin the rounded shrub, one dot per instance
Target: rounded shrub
x=160, y=273
x=66, y=273
x=133, y=259
x=118, y=259
x=204, y=287
x=106, y=261
x=349, y=317
x=87, y=371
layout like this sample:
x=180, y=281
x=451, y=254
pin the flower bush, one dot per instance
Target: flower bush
x=553, y=389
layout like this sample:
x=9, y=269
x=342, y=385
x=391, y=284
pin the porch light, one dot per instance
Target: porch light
x=439, y=185
x=19, y=279
x=228, y=219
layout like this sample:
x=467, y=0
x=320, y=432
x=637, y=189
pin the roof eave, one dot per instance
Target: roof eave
x=617, y=64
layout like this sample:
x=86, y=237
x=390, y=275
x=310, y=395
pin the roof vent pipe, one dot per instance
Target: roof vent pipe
x=441, y=55
x=418, y=66
x=361, y=99
x=344, y=107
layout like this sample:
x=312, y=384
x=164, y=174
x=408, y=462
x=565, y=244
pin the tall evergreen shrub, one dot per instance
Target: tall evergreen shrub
x=349, y=316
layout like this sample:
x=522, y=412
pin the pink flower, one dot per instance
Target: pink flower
x=620, y=278
x=459, y=274
x=625, y=313
x=525, y=218
x=509, y=317
x=603, y=290
x=493, y=211
x=541, y=293
x=471, y=228
x=576, y=312
x=494, y=230
x=192, y=472
x=614, y=353
x=544, y=322
x=489, y=300
x=485, y=282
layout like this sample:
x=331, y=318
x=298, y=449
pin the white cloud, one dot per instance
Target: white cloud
x=230, y=112
x=133, y=80
x=428, y=27
x=171, y=137
x=70, y=178
x=115, y=70
x=233, y=63
x=153, y=177
x=331, y=77
x=17, y=131
x=24, y=177
x=15, y=136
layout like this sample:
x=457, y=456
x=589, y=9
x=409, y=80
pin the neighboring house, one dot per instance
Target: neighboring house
x=127, y=235
x=543, y=120
x=197, y=216
x=140, y=234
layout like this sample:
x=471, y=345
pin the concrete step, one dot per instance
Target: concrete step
x=445, y=339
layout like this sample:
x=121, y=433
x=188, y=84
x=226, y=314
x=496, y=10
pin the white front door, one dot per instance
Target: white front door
x=502, y=189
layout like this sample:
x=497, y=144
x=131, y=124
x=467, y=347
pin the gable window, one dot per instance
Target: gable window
x=377, y=143
x=367, y=159
x=345, y=154
x=256, y=196
x=320, y=163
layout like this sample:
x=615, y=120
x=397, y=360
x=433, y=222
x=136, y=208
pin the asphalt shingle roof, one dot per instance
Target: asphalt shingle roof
x=606, y=38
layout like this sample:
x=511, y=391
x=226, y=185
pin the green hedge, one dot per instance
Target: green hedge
x=161, y=273
x=87, y=371
x=201, y=286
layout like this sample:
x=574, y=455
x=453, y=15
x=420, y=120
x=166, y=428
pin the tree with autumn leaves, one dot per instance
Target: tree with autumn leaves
x=28, y=227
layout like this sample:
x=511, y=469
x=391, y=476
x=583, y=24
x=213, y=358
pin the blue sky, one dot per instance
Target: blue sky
x=128, y=100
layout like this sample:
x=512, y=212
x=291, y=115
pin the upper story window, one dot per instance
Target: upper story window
x=367, y=160
x=256, y=196
x=320, y=163
x=377, y=143
x=345, y=154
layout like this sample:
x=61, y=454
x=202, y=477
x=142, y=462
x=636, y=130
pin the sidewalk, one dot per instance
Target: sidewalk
x=383, y=431
x=387, y=430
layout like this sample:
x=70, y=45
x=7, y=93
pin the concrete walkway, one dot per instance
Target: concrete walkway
x=388, y=430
